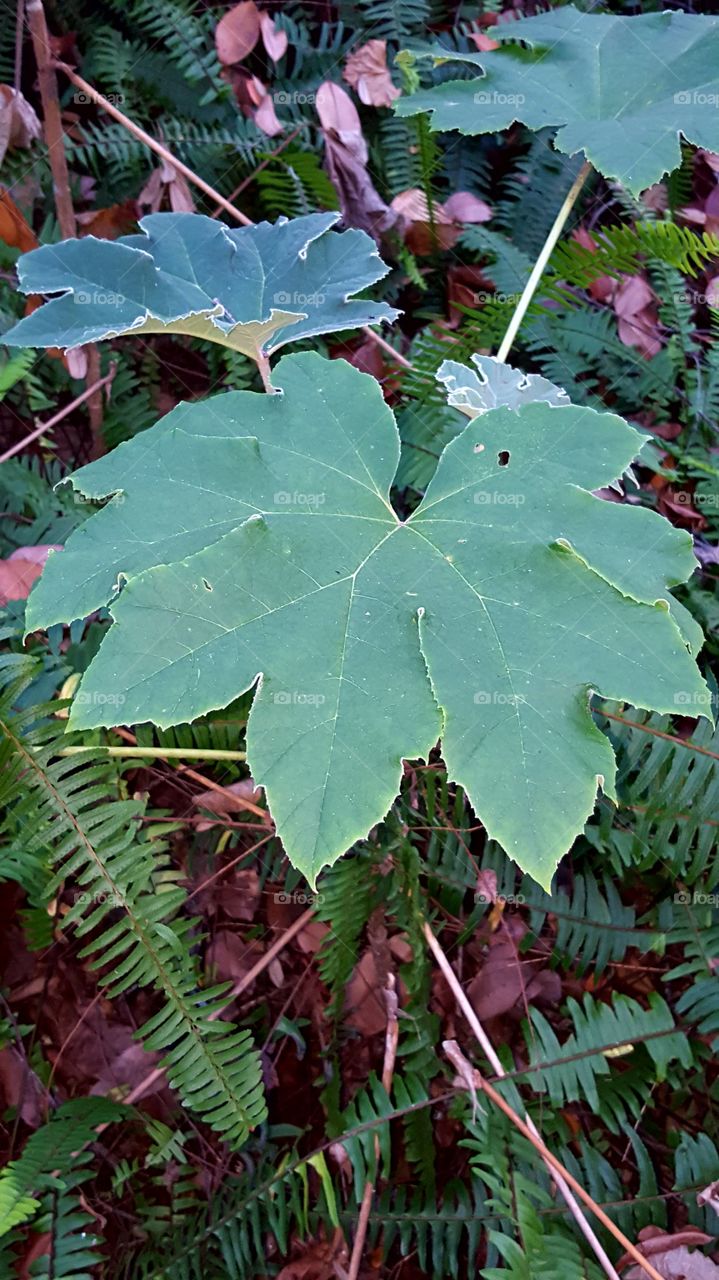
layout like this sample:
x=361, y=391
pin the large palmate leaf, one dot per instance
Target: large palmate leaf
x=253, y=289
x=253, y=541
x=620, y=89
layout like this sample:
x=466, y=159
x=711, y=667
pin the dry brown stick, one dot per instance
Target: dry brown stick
x=101, y=101
x=58, y=417
x=263, y=165
x=52, y=118
x=560, y=1172
x=55, y=140
x=492, y=1056
x=390, y=1056
x=208, y=783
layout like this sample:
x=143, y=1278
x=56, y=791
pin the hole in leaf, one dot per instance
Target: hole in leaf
x=207, y=585
x=503, y=457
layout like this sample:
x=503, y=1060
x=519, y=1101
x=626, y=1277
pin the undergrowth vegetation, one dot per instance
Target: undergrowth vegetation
x=194, y=1072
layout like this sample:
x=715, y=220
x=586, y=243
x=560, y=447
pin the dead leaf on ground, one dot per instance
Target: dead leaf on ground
x=367, y=72
x=21, y=570
x=107, y=224
x=424, y=234
x=364, y=1004
x=709, y=1196
x=166, y=182
x=346, y=162
x=637, y=310
x=15, y=231
x=237, y=32
x=507, y=980
x=274, y=40
x=671, y=1257
x=19, y=125
x=21, y=1088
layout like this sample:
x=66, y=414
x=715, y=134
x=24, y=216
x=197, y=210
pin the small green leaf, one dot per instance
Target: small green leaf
x=253, y=289
x=254, y=543
x=621, y=89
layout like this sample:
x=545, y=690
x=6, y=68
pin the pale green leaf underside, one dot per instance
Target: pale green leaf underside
x=257, y=543
x=620, y=89
x=252, y=288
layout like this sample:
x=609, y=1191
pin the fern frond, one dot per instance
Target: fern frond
x=65, y=804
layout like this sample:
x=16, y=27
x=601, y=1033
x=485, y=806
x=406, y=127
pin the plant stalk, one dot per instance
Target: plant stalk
x=538, y=269
x=159, y=753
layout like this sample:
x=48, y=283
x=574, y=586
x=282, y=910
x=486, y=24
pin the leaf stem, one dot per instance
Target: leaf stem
x=160, y=753
x=542, y=260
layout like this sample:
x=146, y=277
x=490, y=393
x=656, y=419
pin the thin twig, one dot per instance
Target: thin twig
x=58, y=417
x=492, y=1056
x=559, y=1171
x=391, y=1040
x=55, y=141
x=541, y=262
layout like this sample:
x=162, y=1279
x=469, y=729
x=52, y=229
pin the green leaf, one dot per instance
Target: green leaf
x=256, y=543
x=621, y=89
x=253, y=289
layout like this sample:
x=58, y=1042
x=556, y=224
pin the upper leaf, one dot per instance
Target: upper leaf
x=253, y=288
x=256, y=543
x=620, y=89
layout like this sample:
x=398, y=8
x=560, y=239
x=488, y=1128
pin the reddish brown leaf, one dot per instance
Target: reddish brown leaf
x=237, y=32
x=15, y=231
x=367, y=72
x=274, y=40
x=21, y=569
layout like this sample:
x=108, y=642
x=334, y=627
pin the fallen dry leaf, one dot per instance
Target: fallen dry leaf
x=637, y=310
x=107, y=224
x=19, y=125
x=274, y=40
x=709, y=1196
x=346, y=161
x=670, y=1255
x=423, y=234
x=21, y=569
x=507, y=980
x=166, y=182
x=15, y=231
x=367, y=72
x=237, y=32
